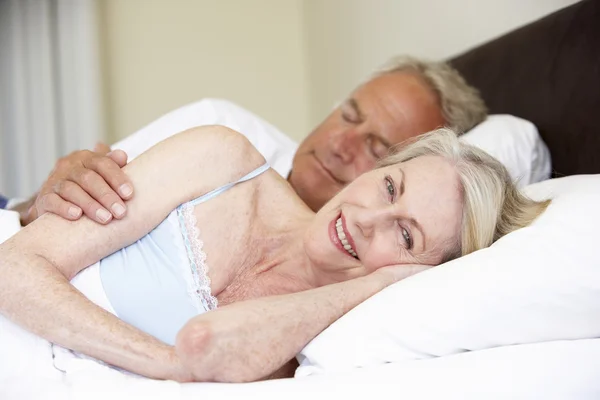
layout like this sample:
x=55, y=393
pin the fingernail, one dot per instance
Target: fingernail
x=74, y=212
x=117, y=209
x=103, y=215
x=125, y=190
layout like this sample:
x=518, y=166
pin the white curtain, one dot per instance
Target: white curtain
x=50, y=97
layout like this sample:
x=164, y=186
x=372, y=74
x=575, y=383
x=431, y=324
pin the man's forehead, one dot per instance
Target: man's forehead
x=383, y=100
x=392, y=82
x=400, y=85
x=398, y=104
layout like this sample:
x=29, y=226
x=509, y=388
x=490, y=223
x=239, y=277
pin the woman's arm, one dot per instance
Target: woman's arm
x=37, y=263
x=249, y=340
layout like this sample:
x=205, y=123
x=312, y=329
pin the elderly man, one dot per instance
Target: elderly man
x=402, y=100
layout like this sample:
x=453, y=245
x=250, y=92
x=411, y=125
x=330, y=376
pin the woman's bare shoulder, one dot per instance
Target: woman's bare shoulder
x=177, y=170
x=199, y=158
x=230, y=150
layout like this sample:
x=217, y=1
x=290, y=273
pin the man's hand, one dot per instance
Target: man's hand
x=84, y=182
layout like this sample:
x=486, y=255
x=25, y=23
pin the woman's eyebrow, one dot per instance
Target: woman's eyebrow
x=412, y=220
x=402, y=187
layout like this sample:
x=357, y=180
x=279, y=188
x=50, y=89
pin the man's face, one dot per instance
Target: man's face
x=379, y=114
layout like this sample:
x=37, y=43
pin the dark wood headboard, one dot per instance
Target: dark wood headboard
x=548, y=72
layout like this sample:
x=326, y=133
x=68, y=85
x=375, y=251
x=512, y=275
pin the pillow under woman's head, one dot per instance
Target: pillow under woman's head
x=537, y=284
x=492, y=205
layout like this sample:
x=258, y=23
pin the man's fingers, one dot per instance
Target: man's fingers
x=118, y=156
x=111, y=174
x=27, y=211
x=87, y=183
x=76, y=195
x=95, y=187
x=53, y=203
x=101, y=148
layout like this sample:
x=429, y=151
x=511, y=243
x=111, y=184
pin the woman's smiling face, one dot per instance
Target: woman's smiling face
x=407, y=213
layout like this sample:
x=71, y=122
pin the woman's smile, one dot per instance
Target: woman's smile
x=341, y=238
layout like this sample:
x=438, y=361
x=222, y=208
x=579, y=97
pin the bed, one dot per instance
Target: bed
x=547, y=72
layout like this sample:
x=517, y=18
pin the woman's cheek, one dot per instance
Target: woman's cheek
x=380, y=259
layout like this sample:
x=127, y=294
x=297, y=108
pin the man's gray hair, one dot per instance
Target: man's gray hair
x=462, y=106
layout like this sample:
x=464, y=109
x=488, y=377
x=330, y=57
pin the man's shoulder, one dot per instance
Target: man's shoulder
x=243, y=120
x=273, y=144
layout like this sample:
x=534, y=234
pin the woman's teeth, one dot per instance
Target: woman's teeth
x=342, y=237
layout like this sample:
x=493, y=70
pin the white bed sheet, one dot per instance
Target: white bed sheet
x=553, y=370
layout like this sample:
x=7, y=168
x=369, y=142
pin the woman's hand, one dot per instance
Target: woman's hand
x=251, y=339
x=395, y=273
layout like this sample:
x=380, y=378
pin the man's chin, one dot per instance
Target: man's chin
x=311, y=195
x=315, y=204
x=310, y=182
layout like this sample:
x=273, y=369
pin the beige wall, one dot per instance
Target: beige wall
x=161, y=54
x=347, y=39
x=289, y=61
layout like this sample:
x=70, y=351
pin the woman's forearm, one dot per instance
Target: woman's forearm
x=36, y=263
x=249, y=340
x=36, y=296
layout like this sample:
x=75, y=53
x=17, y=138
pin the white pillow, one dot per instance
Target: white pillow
x=516, y=143
x=9, y=224
x=537, y=284
x=277, y=148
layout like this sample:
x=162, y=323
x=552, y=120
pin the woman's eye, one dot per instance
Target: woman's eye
x=391, y=189
x=407, y=238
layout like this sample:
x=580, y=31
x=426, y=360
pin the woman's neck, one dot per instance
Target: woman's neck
x=281, y=238
x=276, y=263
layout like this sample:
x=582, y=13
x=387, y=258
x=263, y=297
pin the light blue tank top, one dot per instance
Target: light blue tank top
x=160, y=282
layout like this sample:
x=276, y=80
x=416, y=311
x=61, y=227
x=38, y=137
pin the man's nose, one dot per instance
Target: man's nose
x=346, y=145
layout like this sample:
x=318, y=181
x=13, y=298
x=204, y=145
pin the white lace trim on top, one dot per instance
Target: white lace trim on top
x=196, y=256
x=177, y=230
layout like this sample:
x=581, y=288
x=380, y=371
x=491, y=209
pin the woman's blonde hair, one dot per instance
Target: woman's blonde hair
x=492, y=204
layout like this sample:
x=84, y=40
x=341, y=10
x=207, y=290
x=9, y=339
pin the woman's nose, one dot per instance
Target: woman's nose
x=371, y=219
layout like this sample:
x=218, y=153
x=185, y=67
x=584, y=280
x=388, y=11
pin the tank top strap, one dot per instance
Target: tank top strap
x=224, y=188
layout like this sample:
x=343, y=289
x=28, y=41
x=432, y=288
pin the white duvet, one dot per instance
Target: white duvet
x=553, y=370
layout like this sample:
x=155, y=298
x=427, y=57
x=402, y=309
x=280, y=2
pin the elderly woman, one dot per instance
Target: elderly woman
x=279, y=273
